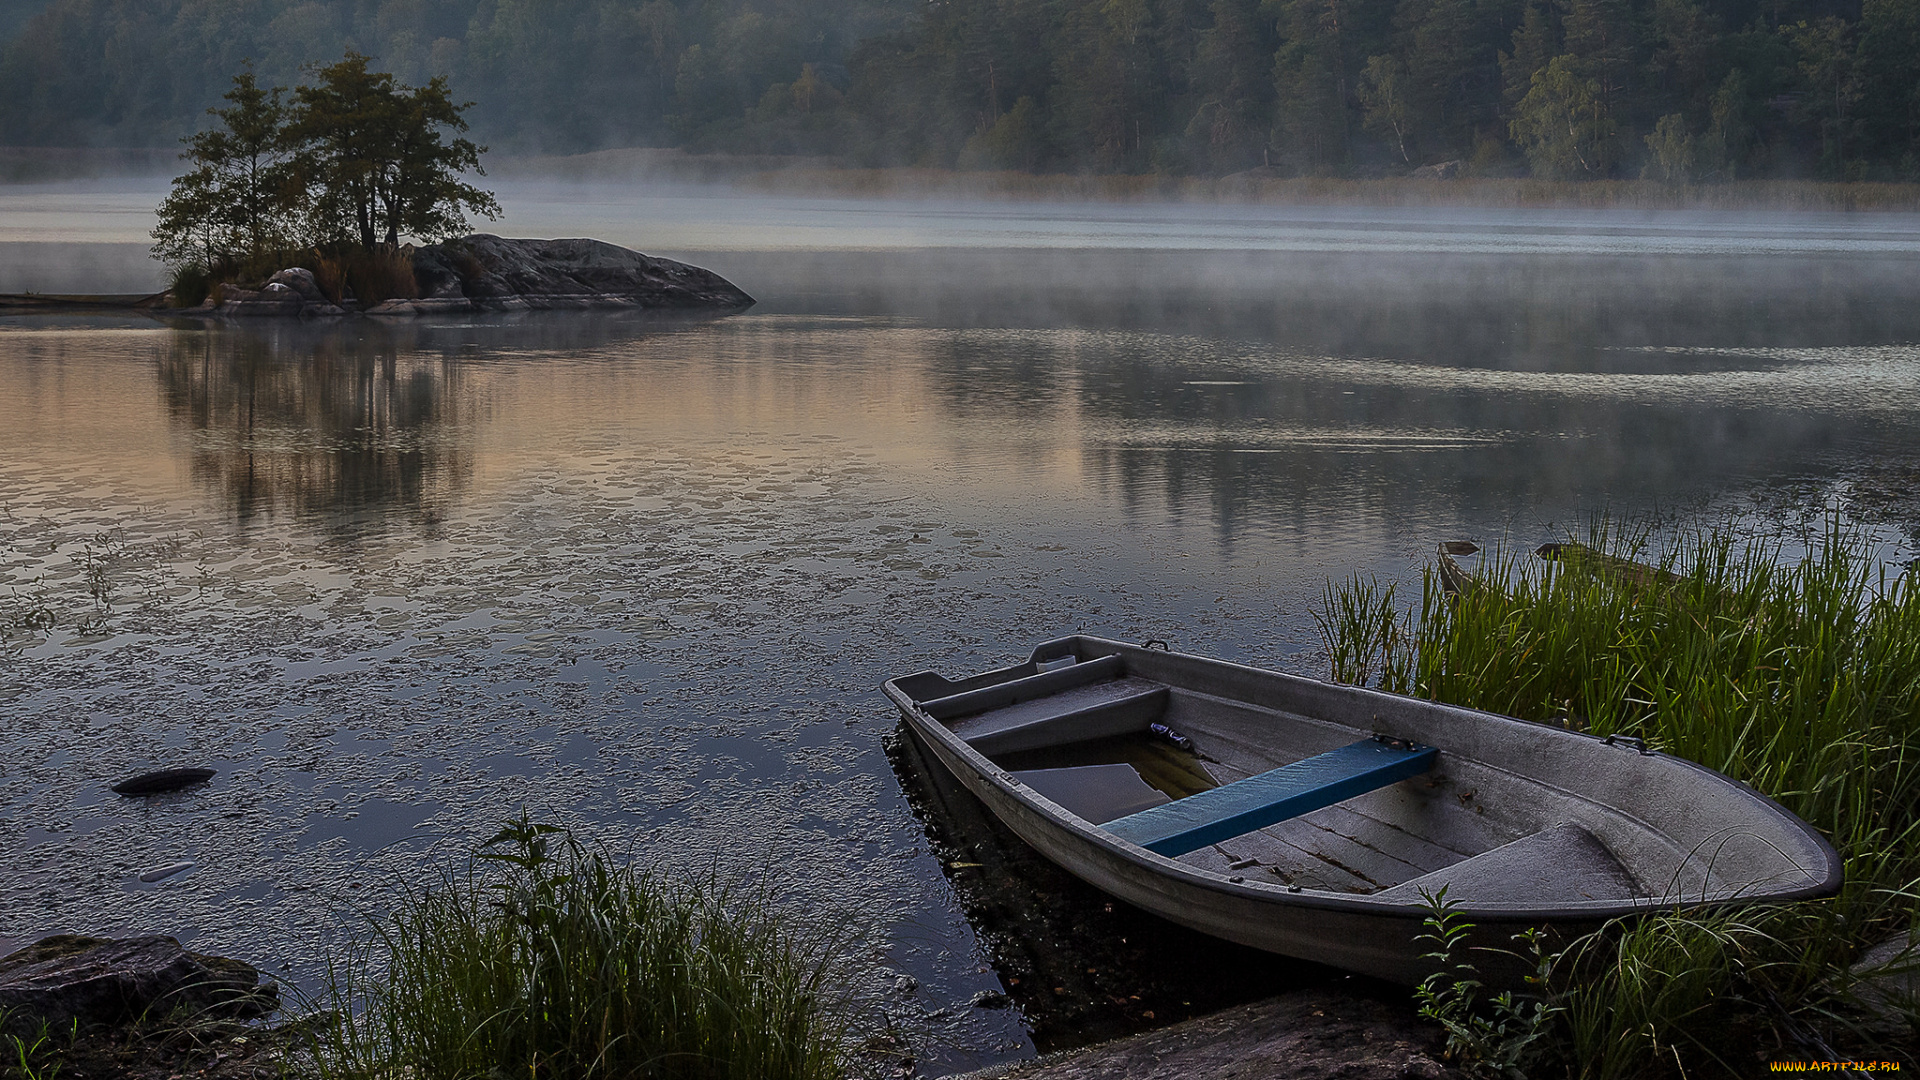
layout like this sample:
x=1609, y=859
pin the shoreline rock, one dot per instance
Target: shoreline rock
x=487, y=273
x=106, y=981
x=1302, y=1035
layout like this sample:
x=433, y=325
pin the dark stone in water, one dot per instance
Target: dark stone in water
x=105, y=981
x=990, y=999
x=154, y=783
x=492, y=273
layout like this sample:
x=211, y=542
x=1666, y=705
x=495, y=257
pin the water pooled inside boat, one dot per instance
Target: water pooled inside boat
x=1105, y=779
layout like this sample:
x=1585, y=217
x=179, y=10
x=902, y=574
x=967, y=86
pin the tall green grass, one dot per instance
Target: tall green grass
x=1799, y=676
x=565, y=965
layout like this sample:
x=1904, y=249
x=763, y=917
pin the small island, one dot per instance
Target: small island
x=294, y=204
x=483, y=272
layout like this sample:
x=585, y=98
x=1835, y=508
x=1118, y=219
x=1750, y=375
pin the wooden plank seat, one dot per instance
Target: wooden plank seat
x=1026, y=688
x=1271, y=797
x=1096, y=711
x=1564, y=863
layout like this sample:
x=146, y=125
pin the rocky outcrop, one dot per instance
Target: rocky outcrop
x=491, y=273
x=1445, y=170
x=290, y=292
x=1887, y=980
x=106, y=981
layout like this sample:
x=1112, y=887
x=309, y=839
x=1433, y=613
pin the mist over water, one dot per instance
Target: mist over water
x=644, y=574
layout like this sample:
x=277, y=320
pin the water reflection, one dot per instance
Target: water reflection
x=311, y=428
x=1527, y=312
x=1261, y=440
x=365, y=425
x=358, y=424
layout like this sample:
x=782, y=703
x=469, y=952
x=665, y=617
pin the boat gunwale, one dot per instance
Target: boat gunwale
x=1828, y=879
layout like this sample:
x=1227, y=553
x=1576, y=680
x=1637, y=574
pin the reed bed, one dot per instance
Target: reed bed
x=1799, y=676
x=566, y=966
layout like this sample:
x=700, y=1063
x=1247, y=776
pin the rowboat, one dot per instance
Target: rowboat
x=1317, y=821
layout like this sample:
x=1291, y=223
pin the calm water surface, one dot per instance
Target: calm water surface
x=643, y=576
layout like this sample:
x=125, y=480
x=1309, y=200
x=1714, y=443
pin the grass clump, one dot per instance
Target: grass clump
x=188, y=285
x=29, y=1051
x=567, y=966
x=1799, y=676
x=345, y=274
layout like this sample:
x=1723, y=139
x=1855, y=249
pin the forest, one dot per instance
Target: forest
x=1673, y=90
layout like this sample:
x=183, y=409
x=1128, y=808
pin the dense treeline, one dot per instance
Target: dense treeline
x=1673, y=89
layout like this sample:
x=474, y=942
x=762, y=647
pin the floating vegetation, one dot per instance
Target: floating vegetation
x=1798, y=676
x=84, y=579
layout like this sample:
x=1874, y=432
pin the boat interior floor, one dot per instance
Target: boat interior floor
x=1104, y=745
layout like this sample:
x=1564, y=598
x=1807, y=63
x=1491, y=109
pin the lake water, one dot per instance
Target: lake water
x=644, y=575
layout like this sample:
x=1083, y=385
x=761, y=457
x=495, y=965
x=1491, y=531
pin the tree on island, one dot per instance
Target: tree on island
x=239, y=199
x=371, y=152
x=355, y=161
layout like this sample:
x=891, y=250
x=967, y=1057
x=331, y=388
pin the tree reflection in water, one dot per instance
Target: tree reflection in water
x=328, y=423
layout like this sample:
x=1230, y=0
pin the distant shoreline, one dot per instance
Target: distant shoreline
x=767, y=174
x=775, y=175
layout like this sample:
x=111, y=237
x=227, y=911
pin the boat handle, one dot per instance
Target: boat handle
x=1151, y=642
x=1628, y=740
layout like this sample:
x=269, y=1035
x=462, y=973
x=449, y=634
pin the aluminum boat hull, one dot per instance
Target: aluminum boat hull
x=1659, y=831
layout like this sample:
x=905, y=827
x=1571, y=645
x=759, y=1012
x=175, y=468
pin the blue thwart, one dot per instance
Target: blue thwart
x=1271, y=797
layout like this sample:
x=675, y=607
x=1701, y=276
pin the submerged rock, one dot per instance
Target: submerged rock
x=64, y=978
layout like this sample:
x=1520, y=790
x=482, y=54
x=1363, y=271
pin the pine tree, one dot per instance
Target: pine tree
x=1889, y=107
x=1232, y=75
x=1312, y=83
x=1535, y=43
x=372, y=155
x=1831, y=73
x=239, y=200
